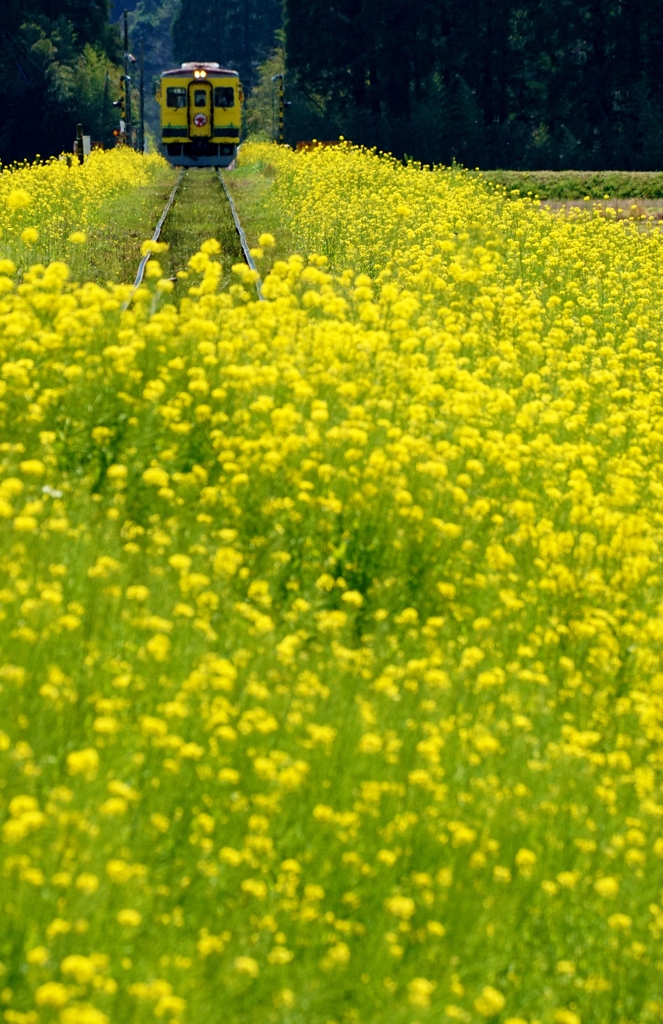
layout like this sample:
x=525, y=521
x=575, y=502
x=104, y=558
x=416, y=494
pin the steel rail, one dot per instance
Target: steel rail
x=246, y=252
x=157, y=232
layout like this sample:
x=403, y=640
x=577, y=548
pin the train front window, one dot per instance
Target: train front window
x=200, y=98
x=176, y=97
x=224, y=96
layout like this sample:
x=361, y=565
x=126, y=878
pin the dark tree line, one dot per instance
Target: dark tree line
x=491, y=83
x=238, y=34
x=54, y=58
x=511, y=83
x=150, y=25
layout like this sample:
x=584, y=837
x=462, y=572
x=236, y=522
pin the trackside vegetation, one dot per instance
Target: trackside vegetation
x=581, y=184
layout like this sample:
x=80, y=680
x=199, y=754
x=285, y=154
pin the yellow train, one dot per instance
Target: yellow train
x=201, y=115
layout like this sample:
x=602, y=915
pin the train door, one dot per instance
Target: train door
x=200, y=110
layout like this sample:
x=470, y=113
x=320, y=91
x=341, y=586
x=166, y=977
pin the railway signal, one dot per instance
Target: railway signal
x=120, y=133
x=124, y=134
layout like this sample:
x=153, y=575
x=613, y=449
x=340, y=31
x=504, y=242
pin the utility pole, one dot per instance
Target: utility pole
x=128, y=60
x=279, y=78
x=141, y=130
x=102, y=122
x=272, y=109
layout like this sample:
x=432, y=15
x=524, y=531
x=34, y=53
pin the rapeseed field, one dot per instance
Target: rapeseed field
x=46, y=208
x=332, y=625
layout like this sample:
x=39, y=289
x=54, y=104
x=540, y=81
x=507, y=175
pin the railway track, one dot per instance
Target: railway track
x=187, y=176
x=157, y=232
x=246, y=252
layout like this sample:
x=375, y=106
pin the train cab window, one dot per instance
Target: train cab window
x=224, y=96
x=200, y=97
x=176, y=97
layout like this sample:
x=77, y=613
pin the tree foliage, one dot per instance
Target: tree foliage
x=55, y=56
x=514, y=83
x=260, y=114
x=150, y=24
x=237, y=33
